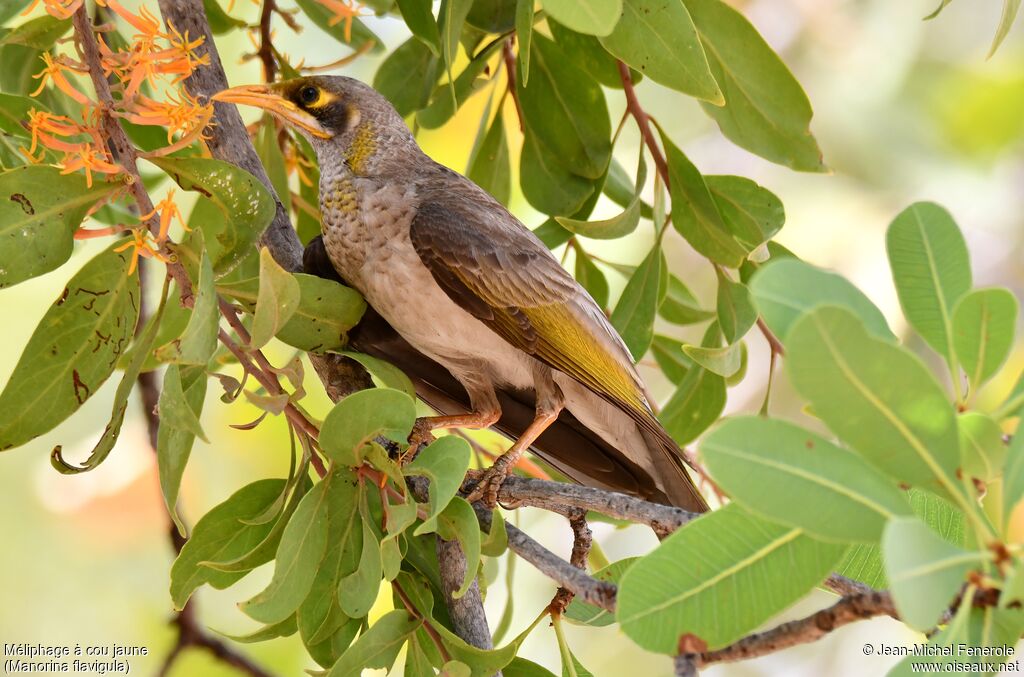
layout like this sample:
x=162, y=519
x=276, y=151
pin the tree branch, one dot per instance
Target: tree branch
x=847, y=610
x=558, y=496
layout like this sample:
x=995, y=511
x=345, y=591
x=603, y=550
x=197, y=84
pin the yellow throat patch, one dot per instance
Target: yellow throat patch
x=362, y=148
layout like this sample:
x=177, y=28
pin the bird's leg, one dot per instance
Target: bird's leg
x=422, y=430
x=549, y=403
x=490, y=481
x=485, y=412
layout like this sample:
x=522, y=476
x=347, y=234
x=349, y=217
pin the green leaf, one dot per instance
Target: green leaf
x=724, y=361
x=277, y=300
x=695, y=213
x=468, y=82
x=73, y=350
x=752, y=214
x=269, y=150
x=981, y=443
x=326, y=311
x=489, y=167
x=444, y=462
x=385, y=374
x=1013, y=475
x=589, y=55
x=40, y=33
x=984, y=321
x=458, y=522
x=796, y=477
x=362, y=416
x=680, y=306
x=659, y=39
x=695, y=405
x=39, y=212
x=1006, y=19
x=566, y=111
x=322, y=623
x=684, y=587
x=324, y=19
x=408, y=75
x=620, y=225
x=493, y=16
x=223, y=533
x=520, y=667
x=245, y=205
x=924, y=571
x=765, y=109
x=673, y=361
x=220, y=21
x=419, y=17
x=931, y=269
x=736, y=311
x=548, y=186
x=199, y=340
x=592, y=17
x=181, y=403
x=285, y=628
x=878, y=397
x=524, y=33
x=358, y=590
x=634, y=313
x=787, y=288
x=451, y=17
x=863, y=563
x=377, y=647
x=591, y=278
x=580, y=612
x=299, y=554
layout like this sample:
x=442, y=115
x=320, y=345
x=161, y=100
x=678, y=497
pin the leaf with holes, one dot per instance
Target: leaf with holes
x=659, y=40
x=245, y=206
x=40, y=209
x=765, y=110
x=73, y=350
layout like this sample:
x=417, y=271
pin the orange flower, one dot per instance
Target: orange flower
x=144, y=21
x=43, y=125
x=54, y=70
x=167, y=210
x=344, y=10
x=183, y=115
x=90, y=159
x=140, y=247
x=60, y=9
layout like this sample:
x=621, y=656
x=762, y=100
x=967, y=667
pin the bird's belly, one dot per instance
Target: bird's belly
x=386, y=269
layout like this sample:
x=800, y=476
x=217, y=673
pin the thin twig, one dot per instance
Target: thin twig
x=435, y=637
x=847, y=610
x=642, y=121
x=510, y=72
x=582, y=540
x=266, y=49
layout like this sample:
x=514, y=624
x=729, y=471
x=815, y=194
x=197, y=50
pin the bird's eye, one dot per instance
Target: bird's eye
x=309, y=95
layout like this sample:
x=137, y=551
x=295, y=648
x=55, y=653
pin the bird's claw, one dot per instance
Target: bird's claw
x=489, y=484
x=420, y=436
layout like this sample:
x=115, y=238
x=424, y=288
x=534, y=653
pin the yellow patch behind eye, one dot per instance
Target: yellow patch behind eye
x=324, y=99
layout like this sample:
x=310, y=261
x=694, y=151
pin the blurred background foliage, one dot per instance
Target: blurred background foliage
x=905, y=110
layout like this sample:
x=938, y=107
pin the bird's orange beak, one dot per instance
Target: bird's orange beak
x=270, y=99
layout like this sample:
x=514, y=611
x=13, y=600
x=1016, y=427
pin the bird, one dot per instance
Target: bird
x=464, y=283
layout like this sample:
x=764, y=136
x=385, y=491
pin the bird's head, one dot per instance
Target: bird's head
x=345, y=120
